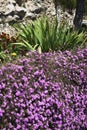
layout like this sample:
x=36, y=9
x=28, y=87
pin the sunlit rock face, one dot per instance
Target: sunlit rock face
x=12, y=11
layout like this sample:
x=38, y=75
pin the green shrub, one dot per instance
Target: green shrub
x=5, y=42
x=44, y=36
x=2, y=55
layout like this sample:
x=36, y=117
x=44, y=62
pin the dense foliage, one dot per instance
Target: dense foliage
x=45, y=35
x=45, y=91
x=5, y=42
x=6, y=46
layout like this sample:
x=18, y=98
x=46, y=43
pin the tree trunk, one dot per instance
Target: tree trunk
x=80, y=9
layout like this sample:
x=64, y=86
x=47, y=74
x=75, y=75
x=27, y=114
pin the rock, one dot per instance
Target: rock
x=9, y=10
x=37, y=10
x=26, y=10
x=7, y=29
x=20, y=2
x=20, y=11
x=12, y=2
x=13, y=13
x=84, y=22
x=11, y=19
x=31, y=16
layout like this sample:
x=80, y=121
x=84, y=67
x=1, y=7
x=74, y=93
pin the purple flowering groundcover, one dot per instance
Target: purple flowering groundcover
x=45, y=91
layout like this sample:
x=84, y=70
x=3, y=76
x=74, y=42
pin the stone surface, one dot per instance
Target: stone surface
x=12, y=11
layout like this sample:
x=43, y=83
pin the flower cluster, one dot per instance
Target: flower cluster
x=44, y=92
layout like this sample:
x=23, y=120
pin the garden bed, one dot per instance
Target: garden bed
x=45, y=91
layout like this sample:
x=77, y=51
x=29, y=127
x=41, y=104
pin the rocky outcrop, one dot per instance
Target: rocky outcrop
x=12, y=11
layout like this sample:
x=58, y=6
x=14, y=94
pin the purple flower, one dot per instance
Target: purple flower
x=45, y=91
x=1, y=112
